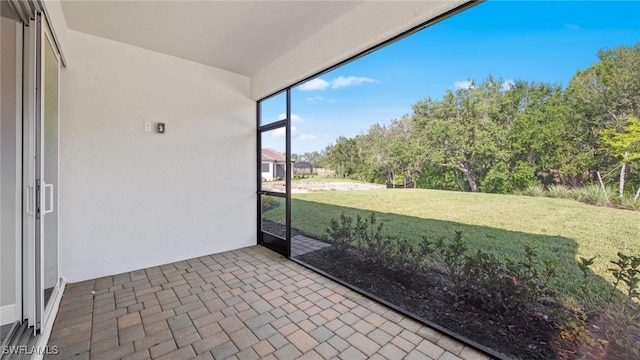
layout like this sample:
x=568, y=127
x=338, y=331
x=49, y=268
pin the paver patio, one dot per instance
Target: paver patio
x=244, y=304
x=301, y=245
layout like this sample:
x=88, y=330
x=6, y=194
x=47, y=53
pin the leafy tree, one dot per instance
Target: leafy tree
x=542, y=137
x=314, y=157
x=603, y=97
x=390, y=151
x=407, y=149
x=463, y=131
x=624, y=145
x=499, y=137
x=375, y=154
x=343, y=156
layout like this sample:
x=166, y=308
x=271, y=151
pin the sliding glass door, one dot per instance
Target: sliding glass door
x=10, y=173
x=29, y=177
x=48, y=148
x=40, y=171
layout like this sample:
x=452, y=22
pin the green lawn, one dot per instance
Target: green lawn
x=559, y=229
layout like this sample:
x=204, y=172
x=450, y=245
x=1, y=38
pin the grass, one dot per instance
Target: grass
x=561, y=230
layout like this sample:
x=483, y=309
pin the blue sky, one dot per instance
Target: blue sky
x=541, y=41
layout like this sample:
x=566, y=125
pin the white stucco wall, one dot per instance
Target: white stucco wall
x=269, y=174
x=130, y=199
x=367, y=25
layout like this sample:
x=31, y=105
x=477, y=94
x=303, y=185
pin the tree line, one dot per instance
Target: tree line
x=497, y=136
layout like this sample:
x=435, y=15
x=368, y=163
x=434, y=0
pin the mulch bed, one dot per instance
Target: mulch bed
x=529, y=334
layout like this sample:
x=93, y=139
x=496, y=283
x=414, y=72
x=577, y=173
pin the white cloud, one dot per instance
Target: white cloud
x=464, y=84
x=282, y=131
x=294, y=117
x=342, y=81
x=507, y=84
x=305, y=137
x=314, y=99
x=315, y=84
x=339, y=82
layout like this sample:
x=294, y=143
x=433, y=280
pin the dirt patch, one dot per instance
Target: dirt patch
x=300, y=187
x=529, y=334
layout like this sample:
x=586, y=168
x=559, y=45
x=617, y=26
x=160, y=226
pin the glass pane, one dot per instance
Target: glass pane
x=8, y=164
x=50, y=98
x=273, y=215
x=273, y=109
x=471, y=177
x=273, y=160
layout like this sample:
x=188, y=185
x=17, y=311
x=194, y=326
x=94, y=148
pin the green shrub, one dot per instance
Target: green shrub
x=486, y=282
x=399, y=179
x=268, y=203
x=412, y=258
x=559, y=192
x=370, y=242
x=621, y=311
x=593, y=194
x=365, y=235
x=475, y=277
x=576, y=194
x=534, y=190
x=612, y=193
x=531, y=277
x=341, y=233
x=481, y=279
x=630, y=204
x=453, y=258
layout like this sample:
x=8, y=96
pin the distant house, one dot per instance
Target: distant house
x=273, y=165
x=302, y=168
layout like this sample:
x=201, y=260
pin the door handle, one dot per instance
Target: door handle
x=48, y=208
x=30, y=200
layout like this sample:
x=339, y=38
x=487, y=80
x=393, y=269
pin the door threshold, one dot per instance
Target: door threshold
x=50, y=316
x=20, y=344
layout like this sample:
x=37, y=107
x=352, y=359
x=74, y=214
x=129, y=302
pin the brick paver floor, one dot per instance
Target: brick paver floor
x=244, y=304
x=301, y=245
